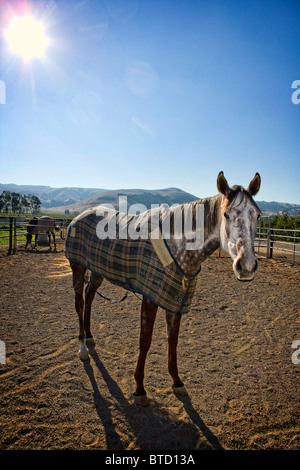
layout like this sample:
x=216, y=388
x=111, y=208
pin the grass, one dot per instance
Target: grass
x=21, y=237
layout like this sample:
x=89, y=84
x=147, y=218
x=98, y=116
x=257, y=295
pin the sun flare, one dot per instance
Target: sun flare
x=26, y=36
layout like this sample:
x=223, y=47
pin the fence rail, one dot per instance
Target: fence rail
x=269, y=242
x=274, y=242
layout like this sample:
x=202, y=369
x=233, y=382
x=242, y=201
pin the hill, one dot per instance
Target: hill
x=134, y=196
x=271, y=208
x=52, y=197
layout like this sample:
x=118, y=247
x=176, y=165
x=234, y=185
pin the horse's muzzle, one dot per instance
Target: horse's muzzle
x=245, y=270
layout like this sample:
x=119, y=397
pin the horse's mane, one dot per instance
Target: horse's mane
x=244, y=197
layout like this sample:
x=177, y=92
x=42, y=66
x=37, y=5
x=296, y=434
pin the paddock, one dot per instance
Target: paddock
x=235, y=356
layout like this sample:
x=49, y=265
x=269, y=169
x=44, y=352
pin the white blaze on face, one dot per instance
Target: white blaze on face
x=237, y=232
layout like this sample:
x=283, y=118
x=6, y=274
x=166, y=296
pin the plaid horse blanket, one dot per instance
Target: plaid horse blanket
x=145, y=266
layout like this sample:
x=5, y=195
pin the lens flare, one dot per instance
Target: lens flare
x=26, y=36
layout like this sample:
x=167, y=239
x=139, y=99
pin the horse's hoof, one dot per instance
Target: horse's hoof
x=90, y=342
x=180, y=391
x=141, y=400
x=83, y=355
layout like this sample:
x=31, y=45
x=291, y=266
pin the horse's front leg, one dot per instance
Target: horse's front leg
x=148, y=315
x=173, y=324
x=54, y=242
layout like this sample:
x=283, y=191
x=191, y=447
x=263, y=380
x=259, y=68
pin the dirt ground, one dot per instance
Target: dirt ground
x=235, y=358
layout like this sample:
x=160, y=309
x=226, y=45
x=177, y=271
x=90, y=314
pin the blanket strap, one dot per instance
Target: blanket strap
x=113, y=301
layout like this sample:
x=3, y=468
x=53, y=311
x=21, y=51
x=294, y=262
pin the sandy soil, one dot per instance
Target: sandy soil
x=235, y=357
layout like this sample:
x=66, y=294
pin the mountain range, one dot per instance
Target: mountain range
x=75, y=200
x=52, y=197
x=133, y=196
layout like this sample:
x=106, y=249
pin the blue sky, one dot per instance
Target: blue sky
x=155, y=94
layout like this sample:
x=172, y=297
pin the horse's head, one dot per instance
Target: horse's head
x=239, y=215
x=30, y=229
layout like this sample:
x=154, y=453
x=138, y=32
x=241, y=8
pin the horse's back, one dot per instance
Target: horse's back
x=132, y=263
x=109, y=257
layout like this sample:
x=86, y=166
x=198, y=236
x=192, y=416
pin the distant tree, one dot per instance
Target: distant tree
x=18, y=203
x=16, y=199
x=284, y=222
x=1, y=202
x=35, y=204
x=25, y=204
x=5, y=201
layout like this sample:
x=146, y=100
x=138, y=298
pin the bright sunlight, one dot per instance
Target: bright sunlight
x=26, y=37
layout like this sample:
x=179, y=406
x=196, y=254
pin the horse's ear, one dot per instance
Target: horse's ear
x=254, y=185
x=222, y=184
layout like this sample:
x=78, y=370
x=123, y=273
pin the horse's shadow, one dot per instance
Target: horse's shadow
x=145, y=435
x=38, y=251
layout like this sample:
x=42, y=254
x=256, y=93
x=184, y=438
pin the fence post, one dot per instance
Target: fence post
x=259, y=233
x=11, y=221
x=271, y=243
x=268, y=242
x=294, y=248
x=15, y=235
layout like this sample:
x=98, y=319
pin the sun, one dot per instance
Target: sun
x=26, y=36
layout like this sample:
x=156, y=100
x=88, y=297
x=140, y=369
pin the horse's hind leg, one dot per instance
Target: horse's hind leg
x=54, y=242
x=173, y=324
x=90, y=291
x=49, y=239
x=78, y=283
x=148, y=315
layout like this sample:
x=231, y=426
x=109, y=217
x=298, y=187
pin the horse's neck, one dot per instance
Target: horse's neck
x=190, y=259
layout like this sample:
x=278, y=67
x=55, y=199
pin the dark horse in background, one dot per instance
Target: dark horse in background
x=39, y=225
x=230, y=221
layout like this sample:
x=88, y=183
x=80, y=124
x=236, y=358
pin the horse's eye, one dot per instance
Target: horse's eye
x=226, y=215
